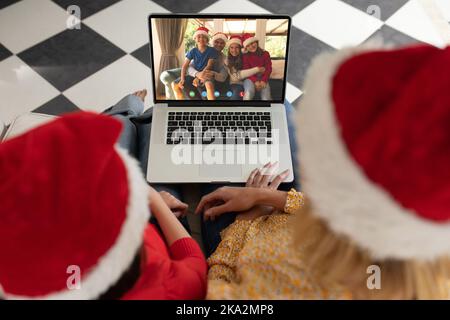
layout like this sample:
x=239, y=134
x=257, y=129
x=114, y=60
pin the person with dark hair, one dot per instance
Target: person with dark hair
x=204, y=58
x=234, y=67
x=256, y=57
x=218, y=74
x=83, y=231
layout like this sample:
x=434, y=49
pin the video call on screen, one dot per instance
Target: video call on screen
x=221, y=58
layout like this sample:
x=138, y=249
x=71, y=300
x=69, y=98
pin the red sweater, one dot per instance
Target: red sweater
x=251, y=60
x=177, y=272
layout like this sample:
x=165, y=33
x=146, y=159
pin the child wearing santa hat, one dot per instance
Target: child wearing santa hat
x=203, y=57
x=75, y=220
x=256, y=57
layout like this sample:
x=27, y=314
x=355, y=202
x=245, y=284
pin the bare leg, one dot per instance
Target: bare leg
x=177, y=90
x=210, y=90
x=141, y=94
x=195, y=82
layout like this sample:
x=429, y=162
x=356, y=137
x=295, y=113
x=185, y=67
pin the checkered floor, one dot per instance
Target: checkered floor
x=50, y=69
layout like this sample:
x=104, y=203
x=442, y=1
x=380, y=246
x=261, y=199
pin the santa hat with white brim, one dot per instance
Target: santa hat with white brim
x=374, y=137
x=201, y=31
x=234, y=40
x=249, y=40
x=71, y=198
x=219, y=35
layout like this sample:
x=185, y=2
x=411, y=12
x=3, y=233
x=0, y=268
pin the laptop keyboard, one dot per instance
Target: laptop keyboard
x=219, y=127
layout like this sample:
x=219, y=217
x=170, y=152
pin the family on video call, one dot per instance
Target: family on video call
x=231, y=65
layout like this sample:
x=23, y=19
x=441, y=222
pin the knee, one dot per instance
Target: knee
x=166, y=78
x=249, y=87
x=249, y=93
x=135, y=104
x=209, y=85
x=128, y=135
x=238, y=93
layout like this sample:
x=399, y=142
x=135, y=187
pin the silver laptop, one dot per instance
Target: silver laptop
x=228, y=116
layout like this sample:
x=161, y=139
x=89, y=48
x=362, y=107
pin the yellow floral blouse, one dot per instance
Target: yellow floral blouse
x=256, y=260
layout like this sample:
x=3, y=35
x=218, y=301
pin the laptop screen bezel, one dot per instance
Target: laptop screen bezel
x=218, y=102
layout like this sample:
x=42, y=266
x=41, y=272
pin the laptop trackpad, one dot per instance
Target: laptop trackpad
x=220, y=171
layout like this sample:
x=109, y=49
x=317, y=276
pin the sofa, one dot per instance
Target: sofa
x=275, y=81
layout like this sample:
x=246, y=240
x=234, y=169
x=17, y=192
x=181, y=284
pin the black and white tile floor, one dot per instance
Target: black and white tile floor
x=47, y=67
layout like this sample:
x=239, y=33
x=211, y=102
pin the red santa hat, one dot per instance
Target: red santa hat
x=70, y=198
x=235, y=40
x=219, y=35
x=375, y=148
x=247, y=39
x=201, y=31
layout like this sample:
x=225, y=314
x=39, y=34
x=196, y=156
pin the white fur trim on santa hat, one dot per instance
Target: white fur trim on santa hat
x=249, y=41
x=219, y=35
x=199, y=32
x=234, y=41
x=118, y=259
x=341, y=194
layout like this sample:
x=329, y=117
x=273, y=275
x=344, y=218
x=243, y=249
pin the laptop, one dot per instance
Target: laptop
x=227, y=117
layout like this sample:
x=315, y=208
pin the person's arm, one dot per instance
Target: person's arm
x=222, y=75
x=183, y=72
x=188, y=271
x=246, y=64
x=182, y=269
x=234, y=75
x=268, y=65
x=237, y=199
x=210, y=64
x=183, y=272
x=222, y=263
x=171, y=227
x=245, y=73
x=192, y=71
x=272, y=198
x=188, y=268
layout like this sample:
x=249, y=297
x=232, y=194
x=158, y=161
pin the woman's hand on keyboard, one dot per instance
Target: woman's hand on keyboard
x=260, y=184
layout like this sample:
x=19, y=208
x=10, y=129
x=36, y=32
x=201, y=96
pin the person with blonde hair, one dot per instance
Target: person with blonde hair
x=374, y=219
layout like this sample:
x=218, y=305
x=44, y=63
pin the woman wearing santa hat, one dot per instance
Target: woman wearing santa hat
x=235, y=69
x=255, y=56
x=374, y=219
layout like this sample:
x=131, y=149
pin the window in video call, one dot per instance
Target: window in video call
x=219, y=58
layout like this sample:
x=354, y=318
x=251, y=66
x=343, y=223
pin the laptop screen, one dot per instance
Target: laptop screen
x=219, y=58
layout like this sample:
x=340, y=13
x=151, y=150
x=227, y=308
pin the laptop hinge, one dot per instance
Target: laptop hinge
x=215, y=104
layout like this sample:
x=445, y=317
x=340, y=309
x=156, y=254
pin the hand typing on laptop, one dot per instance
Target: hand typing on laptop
x=259, y=196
